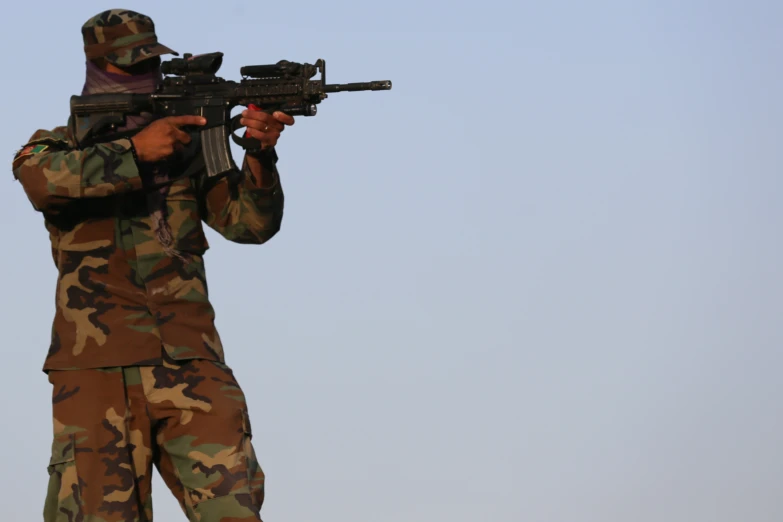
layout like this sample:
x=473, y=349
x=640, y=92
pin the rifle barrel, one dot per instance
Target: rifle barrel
x=384, y=85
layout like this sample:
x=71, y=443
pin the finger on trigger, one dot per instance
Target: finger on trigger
x=181, y=121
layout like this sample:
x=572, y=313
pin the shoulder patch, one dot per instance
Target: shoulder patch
x=42, y=141
x=27, y=152
x=31, y=149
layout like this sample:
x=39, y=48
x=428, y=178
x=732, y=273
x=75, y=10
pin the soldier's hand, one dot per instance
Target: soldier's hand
x=265, y=127
x=163, y=137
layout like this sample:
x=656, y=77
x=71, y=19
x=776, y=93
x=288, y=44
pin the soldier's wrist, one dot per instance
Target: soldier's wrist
x=134, y=152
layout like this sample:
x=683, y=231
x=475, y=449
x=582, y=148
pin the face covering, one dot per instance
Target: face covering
x=98, y=81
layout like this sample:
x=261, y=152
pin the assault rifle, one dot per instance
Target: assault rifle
x=191, y=87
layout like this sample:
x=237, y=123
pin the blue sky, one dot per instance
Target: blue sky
x=538, y=280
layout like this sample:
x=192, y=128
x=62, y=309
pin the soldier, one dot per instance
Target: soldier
x=137, y=367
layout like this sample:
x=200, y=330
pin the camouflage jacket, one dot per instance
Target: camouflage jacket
x=120, y=299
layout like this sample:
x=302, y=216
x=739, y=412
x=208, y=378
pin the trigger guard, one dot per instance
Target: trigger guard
x=249, y=144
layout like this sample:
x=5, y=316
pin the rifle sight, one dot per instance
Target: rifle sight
x=202, y=64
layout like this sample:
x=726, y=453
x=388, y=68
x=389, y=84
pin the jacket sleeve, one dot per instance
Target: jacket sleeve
x=53, y=173
x=241, y=211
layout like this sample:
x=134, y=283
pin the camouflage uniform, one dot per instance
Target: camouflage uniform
x=189, y=419
x=135, y=361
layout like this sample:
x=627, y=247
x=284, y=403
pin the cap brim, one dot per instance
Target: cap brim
x=160, y=49
x=137, y=54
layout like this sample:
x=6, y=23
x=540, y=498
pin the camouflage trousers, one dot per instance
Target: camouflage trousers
x=112, y=425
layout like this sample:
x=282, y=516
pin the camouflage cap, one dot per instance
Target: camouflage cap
x=122, y=37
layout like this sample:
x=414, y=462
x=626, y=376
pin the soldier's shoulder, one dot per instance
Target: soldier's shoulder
x=57, y=135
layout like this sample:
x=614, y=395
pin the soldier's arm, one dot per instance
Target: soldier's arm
x=53, y=173
x=248, y=207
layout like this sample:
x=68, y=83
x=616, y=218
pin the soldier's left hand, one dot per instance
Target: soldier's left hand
x=265, y=127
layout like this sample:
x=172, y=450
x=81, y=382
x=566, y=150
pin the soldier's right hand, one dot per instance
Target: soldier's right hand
x=163, y=137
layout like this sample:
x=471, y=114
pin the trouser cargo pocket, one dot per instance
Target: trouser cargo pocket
x=63, y=498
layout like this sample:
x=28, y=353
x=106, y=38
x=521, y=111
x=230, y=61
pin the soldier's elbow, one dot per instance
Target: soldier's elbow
x=256, y=236
x=42, y=200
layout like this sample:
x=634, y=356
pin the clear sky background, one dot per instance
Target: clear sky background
x=538, y=281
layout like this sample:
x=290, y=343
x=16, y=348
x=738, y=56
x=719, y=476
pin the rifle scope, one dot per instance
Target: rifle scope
x=189, y=64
